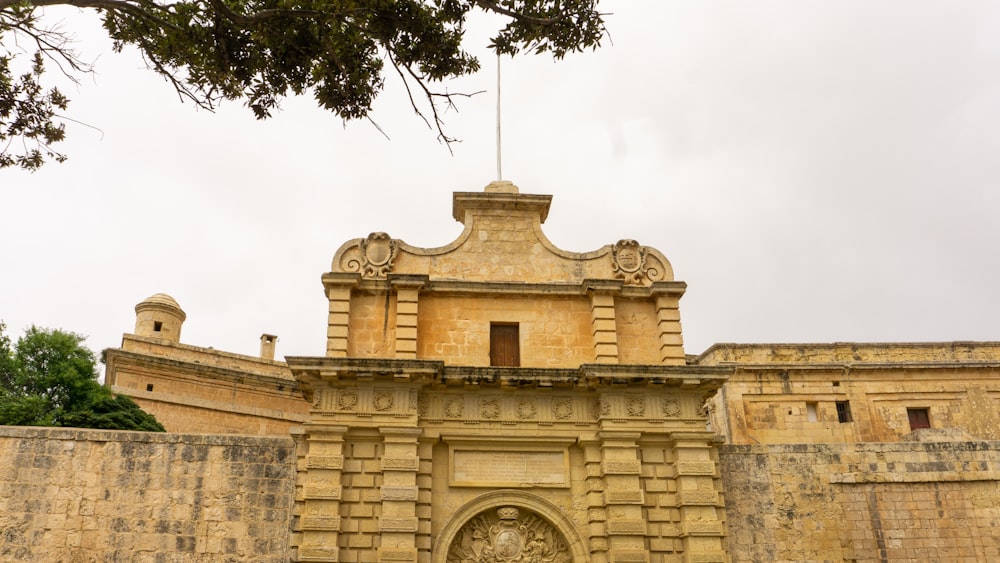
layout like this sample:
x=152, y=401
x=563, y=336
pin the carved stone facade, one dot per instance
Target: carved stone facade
x=592, y=450
x=597, y=447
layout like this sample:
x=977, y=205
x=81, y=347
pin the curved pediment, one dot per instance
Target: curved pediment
x=502, y=242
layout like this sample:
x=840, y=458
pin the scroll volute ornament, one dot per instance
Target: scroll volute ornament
x=508, y=536
x=378, y=252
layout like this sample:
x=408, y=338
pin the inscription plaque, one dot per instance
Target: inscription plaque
x=509, y=468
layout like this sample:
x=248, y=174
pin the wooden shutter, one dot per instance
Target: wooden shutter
x=918, y=418
x=504, y=345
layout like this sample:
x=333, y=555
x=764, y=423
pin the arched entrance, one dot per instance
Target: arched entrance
x=509, y=526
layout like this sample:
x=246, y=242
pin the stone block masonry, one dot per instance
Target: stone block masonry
x=94, y=495
x=873, y=502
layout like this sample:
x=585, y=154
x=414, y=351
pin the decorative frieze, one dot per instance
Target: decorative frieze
x=629, y=556
x=671, y=407
x=322, y=491
x=694, y=498
x=397, y=554
x=701, y=528
x=325, y=462
x=399, y=493
x=320, y=523
x=626, y=527
x=695, y=468
x=408, y=525
x=319, y=553
x=628, y=496
x=400, y=463
x=622, y=467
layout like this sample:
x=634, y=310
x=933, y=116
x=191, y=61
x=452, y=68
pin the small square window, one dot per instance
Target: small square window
x=149, y=387
x=157, y=326
x=919, y=418
x=844, y=411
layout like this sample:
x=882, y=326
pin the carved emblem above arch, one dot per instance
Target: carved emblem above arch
x=507, y=526
x=508, y=534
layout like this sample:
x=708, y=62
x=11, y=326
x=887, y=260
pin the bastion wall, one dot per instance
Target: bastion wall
x=867, y=502
x=95, y=495
x=92, y=495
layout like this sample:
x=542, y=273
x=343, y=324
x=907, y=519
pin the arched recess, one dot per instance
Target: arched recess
x=495, y=500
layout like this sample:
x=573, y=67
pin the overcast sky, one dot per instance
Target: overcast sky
x=815, y=171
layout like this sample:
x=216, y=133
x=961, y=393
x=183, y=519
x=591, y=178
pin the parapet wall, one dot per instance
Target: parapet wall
x=869, y=502
x=93, y=495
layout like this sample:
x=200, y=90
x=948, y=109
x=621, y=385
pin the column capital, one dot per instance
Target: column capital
x=668, y=288
x=407, y=281
x=607, y=287
x=400, y=434
x=340, y=280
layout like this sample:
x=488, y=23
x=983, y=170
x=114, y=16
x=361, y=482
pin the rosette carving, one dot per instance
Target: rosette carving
x=671, y=408
x=635, y=406
x=383, y=400
x=562, y=408
x=489, y=408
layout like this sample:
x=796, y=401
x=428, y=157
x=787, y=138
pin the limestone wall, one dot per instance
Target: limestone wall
x=555, y=332
x=92, y=495
x=799, y=404
x=193, y=389
x=908, y=501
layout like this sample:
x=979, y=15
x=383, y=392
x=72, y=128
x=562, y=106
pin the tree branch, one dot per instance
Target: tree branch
x=496, y=8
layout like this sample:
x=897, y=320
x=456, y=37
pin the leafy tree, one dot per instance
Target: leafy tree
x=50, y=379
x=260, y=51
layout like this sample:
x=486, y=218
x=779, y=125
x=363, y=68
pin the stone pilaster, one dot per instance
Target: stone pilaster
x=319, y=520
x=338, y=291
x=698, y=500
x=407, y=293
x=623, y=497
x=668, y=320
x=398, y=524
x=602, y=311
x=425, y=483
x=597, y=513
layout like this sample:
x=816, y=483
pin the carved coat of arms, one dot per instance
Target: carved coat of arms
x=629, y=260
x=378, y=252
x=507, y=536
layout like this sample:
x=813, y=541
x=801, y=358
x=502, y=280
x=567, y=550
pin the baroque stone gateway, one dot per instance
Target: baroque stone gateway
x=501, y=400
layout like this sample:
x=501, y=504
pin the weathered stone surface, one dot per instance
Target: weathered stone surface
x=92, y=495
x=894, y=502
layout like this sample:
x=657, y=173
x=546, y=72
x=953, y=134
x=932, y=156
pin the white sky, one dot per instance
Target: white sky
x=815, y=171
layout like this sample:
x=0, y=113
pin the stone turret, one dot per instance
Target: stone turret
x=159, y=316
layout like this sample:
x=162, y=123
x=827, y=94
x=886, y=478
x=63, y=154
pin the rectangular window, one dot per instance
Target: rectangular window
x=811, y=412
x=157, y=326
x=844, y=411
x=505, y=348
x=919, y=418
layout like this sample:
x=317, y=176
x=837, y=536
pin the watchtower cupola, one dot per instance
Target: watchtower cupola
x=159, y=316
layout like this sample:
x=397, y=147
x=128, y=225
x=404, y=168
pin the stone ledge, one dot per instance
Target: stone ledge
x=94, y=435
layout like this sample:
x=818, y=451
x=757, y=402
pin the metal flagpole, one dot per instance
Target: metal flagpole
x=499, y=169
